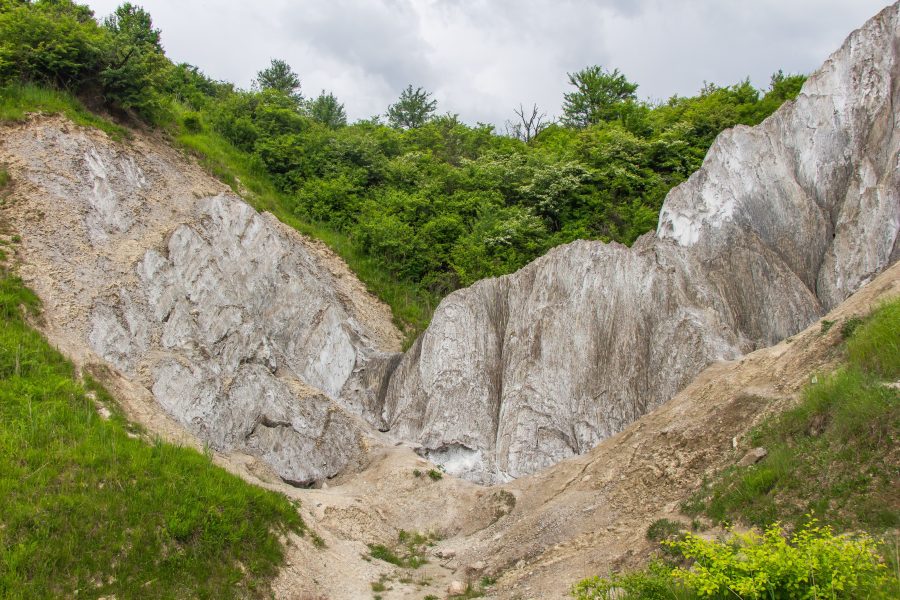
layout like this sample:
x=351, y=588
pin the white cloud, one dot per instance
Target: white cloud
x=482, y=57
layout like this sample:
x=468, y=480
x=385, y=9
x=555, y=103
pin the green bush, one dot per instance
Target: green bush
x=813, y=563
x=56, y=43
x=663, y=529
x=192, y=123
x=653, y=583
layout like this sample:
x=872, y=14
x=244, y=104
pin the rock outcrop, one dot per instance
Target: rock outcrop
x=244, y=331
x=257, y=339
x=781, y=223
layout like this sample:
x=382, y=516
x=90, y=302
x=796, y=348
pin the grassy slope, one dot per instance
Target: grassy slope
x=88, y=508
x=837, y=454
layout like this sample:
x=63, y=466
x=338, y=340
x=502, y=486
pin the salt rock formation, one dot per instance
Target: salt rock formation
x=257, y=339
x=783, y=221
x=244, y=331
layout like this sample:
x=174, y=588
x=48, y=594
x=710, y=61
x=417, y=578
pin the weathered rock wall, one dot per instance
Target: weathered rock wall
x=251, y=336
x=257, y=339
x=783, y=221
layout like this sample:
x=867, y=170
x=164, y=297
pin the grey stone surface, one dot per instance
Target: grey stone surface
x=256, y=339
x=782, y=222
x=252, y=337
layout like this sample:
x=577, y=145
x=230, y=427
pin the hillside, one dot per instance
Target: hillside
x=542, y=422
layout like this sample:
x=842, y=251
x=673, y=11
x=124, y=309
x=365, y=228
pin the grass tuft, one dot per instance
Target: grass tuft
x=875, y=345
x=408, y=552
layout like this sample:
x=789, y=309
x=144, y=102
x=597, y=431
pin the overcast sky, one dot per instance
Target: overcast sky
x=481, y=58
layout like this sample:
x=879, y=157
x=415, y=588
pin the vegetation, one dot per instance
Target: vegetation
x=18, y=99
x=88, y=508
x=835, y=456
x=407, y=553
x=418, y=207
x=812, y=563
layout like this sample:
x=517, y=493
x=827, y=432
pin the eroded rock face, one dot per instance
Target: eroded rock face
x=257, y=339
x=784, y=220
x=251, y=336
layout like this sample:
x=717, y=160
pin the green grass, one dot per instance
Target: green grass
x=87, y=509
x=835, y=454
x=4, y=178
x=411, y=306
x=407, y=553
x=17, y=100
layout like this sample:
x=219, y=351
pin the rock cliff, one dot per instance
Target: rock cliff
x=244, y=331
x=782, y=222
x=257, y=339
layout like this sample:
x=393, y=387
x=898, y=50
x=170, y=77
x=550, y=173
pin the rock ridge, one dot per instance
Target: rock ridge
x=259, y=340
x=782, y=222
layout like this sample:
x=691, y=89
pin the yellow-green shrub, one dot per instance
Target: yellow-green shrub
x=813, y=563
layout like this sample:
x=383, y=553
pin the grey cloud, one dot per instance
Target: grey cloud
x=381, y=37
x=482, y=57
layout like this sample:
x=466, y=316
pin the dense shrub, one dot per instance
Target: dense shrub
x=812, y=563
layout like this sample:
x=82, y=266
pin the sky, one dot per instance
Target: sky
x=482, y=58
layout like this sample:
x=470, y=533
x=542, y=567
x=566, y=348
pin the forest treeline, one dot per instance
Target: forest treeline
x=435, y=202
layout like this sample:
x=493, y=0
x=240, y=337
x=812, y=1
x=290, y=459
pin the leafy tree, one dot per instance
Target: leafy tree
x=599, y=95
x=412, y=110
x=133, y=26
x=327, y=110
x=784, y=86
x=135, y=64
x=279, y=77
x=55, y=43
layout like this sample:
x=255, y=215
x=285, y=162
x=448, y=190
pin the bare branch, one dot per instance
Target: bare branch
x=530, y=123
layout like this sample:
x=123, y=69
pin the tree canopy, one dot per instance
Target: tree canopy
x=413, y=109
x=279, y=77
x=328, y=111
x=599, y=95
